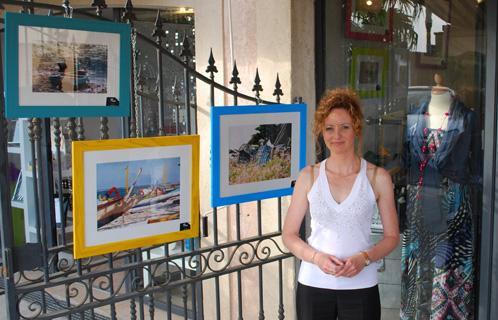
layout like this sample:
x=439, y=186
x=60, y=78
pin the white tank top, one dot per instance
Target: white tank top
x=341, y=230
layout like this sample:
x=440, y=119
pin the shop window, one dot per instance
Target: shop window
x=418, y=68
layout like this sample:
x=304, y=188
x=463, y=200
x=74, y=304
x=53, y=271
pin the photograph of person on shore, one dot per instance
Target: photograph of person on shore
x=259, y=152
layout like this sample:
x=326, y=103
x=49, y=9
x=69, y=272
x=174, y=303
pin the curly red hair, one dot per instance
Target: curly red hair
x=339, y=98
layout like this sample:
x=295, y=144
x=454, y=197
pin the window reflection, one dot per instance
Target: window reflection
x=423, y=124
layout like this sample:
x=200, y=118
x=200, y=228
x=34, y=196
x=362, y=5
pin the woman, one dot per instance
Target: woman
x=336, y=278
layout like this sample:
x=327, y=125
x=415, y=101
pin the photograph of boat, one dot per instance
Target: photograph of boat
x=137, y=192
x=69, y=67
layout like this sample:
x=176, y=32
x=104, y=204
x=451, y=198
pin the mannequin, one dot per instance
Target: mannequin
x=441, y=157
x=438, y=108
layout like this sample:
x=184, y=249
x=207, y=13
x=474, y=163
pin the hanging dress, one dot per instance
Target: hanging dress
x=437, y=259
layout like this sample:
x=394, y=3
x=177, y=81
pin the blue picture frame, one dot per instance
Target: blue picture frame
x=64, y=67
x=248, y=142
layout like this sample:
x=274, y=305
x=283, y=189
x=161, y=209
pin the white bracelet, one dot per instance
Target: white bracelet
x=313, y=257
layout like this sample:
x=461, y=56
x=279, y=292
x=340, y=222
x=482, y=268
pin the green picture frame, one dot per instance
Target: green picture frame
x=61, y=67
x=368, y=74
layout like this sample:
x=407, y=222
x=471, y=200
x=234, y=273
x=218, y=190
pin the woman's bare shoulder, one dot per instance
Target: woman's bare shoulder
x=309, y=173
x=310, y=169
x=377, y=174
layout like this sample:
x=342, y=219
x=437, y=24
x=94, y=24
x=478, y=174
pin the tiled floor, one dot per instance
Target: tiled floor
x=3, y=312
x=122, y=310
x=390, y=314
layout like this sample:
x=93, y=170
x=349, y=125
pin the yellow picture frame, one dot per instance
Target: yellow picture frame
x=151, y=207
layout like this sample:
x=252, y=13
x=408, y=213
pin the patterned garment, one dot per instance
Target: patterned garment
x=437, y=281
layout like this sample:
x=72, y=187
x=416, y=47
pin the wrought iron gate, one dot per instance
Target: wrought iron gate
x=40, y=278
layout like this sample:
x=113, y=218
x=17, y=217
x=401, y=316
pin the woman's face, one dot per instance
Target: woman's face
x=338, y=132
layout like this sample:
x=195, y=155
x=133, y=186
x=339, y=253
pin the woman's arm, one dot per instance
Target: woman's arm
x=295, y=215
x=383, y=188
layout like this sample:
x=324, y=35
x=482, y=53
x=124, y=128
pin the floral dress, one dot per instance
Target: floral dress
x=437, y=267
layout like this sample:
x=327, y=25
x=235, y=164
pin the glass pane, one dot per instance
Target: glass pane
x=418, y=68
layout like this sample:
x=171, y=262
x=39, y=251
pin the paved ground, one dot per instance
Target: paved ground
x=3, y=314
x=121, y=308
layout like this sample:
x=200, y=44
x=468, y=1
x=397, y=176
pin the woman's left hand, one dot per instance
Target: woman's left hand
x=352, y=266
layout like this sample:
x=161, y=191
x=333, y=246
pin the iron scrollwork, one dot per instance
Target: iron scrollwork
x=159, y=273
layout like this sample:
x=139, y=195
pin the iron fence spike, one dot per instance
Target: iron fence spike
x=186, y=53
x=235, y=75
x=211, y=67
x=128, y=15
x=158, y=27
x=100, y=4
x=278, y=89
x=257, y=84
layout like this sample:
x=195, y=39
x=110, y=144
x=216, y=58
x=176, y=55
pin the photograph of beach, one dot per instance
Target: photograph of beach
x=69, y=67
x=259, y=152
x=137, y=192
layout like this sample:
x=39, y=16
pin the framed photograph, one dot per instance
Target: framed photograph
x=368, y=74
x=61, y=67
x=257, y=151
x=369, y=20
x=434, y=50
x=133, y=193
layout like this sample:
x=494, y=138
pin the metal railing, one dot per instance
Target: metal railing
x=43, y=281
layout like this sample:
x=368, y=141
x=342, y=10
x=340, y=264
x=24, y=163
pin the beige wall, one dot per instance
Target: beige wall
x=275, y=37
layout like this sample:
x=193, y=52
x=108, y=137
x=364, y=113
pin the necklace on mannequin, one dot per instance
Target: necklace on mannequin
x=432, y=146
x=428, y=147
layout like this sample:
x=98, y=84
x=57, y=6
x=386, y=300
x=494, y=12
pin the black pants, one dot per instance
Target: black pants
x=317, y=304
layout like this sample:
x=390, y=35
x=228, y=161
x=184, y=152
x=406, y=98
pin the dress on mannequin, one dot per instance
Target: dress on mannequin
x=442, y=143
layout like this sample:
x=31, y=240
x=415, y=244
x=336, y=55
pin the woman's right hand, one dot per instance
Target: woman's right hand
x=328, y=263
